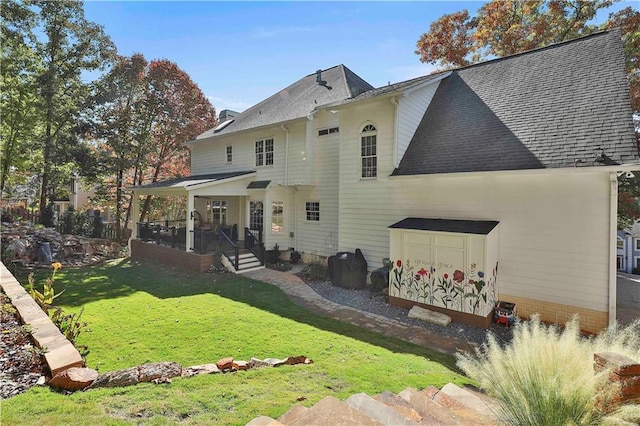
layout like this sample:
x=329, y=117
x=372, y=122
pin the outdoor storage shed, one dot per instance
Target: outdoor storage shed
x=445, y=265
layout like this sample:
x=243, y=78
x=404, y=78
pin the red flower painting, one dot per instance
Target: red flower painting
x=458, y=276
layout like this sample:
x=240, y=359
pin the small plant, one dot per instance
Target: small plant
x=545, y=376
x=313, y=272
x=69, y=324
x=281, y=266
x=45, y=298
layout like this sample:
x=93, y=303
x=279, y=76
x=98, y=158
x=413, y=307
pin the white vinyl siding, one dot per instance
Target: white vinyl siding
x=411, y=109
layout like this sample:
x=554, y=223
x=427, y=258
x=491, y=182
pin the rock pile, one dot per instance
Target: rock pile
x=30, y=246
x=160, y=372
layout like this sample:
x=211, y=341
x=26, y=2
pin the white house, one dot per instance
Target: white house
x=497, y=181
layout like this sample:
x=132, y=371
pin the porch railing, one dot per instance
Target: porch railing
x=165, y=232
x=203, y=240
x=229, y=248
x=253, y=243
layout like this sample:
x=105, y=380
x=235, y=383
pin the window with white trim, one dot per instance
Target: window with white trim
x=256, y=215
x=637, y=244
x=229, y=154
x=328, y=131
x=620, y=244
x=312, y=208
x=277, y=216
x=368, y=151
x=264, y=152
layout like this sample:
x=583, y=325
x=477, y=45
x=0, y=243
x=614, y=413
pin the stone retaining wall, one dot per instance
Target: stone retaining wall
x=61, y=354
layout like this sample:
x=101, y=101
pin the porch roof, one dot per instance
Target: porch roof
x=185, y=184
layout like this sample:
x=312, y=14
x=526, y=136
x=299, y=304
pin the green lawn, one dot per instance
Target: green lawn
x=141, y=313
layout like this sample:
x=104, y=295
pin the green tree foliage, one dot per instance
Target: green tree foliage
x=18, y=94
x=68, y=46
x=507, y=27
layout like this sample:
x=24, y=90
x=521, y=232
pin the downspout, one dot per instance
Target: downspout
x=613, y=227
x=396, y=161
x=286, y=154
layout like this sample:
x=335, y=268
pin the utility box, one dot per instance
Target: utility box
x=446, y=265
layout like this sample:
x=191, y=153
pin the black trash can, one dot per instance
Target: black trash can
x=348, y=270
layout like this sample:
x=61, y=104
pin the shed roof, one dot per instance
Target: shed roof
x=297, y=100
x=481, y=227
x=188, y=181
x=564, y=105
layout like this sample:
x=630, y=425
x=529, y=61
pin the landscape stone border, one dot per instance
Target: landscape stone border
x=60, y=353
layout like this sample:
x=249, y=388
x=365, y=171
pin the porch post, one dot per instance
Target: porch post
x=135, y=215
x=190, y=209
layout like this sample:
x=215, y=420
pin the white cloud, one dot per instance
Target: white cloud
x=222, y=103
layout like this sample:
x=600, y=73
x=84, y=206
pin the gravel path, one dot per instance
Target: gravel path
x=376, y=302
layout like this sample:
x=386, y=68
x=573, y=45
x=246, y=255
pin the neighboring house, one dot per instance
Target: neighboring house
x=628, y=249
x=77, y=196
x=512, y=162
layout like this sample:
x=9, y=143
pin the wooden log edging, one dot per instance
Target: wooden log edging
x=60, y=353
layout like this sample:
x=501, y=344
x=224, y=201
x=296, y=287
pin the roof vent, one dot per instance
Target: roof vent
x=320, y=81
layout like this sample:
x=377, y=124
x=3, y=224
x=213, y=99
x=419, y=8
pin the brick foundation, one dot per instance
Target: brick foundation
x=590, y=320
x=171, y=256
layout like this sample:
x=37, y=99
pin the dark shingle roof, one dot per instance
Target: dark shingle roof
x=480, y=227
x=192, y=180
x=548, y=108
x=298, y=100
x=259, y=184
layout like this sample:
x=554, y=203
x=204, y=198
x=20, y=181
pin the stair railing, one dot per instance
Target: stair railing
x=253, y=243
x=229, y=247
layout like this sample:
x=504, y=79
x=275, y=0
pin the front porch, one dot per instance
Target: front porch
x=166, y=242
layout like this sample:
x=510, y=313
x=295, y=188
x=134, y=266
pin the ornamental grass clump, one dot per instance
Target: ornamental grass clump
x=545, y=376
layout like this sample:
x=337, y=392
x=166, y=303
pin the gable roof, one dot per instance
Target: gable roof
x=298, y=100
x=564, y=105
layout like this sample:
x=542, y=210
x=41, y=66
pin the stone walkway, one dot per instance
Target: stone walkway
x=300, y=293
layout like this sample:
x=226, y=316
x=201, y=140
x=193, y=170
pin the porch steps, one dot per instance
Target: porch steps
x=247, y=261
x=450, y=405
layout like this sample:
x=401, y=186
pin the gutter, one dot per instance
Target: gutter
x=613, y=227
x=286, y=154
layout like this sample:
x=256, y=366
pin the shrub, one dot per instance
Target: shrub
x=313, y=272
x=545, y=375
x=281, y=266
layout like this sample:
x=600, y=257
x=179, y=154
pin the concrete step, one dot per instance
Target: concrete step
x=293, y=414
x=264, y=421
x=471, y=401
x=332, y=411
x=378, y=411
x=400, y=405
x=428, y=408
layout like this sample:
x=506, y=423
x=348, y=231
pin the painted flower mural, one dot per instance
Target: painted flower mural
x=465, y=291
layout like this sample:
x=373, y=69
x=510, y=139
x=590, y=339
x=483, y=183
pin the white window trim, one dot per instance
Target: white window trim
x=361, y=135
x=306, y=217
x=635, y=262
x=228, y=152
x=263, y=143
x=283, y=218
x=623, y=244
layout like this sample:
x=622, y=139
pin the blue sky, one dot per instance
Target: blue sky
x=239, y=53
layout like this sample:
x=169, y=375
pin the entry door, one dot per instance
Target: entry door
x=256, y=217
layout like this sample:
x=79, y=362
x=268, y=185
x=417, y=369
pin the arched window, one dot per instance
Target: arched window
x=368, y=151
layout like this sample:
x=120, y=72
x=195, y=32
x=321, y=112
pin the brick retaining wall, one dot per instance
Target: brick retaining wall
x=171, y=256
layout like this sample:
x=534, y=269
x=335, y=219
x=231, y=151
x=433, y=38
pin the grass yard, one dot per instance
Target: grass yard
x=138, y=313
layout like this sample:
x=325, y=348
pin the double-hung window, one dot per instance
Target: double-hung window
x=312, y=209
x=264, y=152
x=368, y=152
